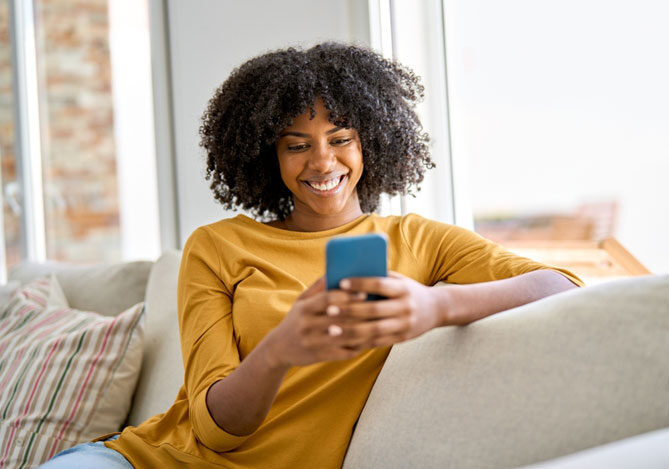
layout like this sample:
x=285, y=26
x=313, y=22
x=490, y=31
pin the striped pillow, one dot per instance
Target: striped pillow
x=66, y=376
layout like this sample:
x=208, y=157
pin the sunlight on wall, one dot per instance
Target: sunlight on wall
x=557, y=104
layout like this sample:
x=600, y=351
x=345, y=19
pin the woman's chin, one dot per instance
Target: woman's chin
x=328, y=211
x=325, y=207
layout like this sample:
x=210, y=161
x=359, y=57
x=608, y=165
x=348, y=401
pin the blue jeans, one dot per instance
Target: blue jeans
x=88, y=455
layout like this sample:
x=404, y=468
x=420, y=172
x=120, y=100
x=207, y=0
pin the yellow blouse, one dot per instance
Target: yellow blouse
x=238, y=279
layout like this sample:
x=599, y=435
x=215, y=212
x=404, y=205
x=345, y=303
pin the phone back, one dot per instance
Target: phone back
x=355, y=256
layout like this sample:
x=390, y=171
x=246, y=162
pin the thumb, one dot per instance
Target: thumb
x=317, y=287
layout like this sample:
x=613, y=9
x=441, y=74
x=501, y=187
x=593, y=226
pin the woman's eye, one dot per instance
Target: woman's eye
x=299, y=147
x=341, y=141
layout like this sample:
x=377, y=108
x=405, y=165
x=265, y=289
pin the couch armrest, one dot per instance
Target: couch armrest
x=566, y=373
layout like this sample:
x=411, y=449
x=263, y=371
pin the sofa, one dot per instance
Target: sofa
x=579, y=379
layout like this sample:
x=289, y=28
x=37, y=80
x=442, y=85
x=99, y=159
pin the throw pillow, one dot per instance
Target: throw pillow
x=66, y=376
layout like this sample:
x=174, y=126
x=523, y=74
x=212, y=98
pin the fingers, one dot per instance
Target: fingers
x=356, y=334
x=329, y=302
x=375, y=309
x=390, y=287
x=368, y=333
x=339, y=324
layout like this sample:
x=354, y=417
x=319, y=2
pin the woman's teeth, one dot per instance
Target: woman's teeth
x=325, y=185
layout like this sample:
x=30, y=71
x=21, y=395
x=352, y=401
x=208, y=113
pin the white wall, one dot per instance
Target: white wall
x=207, y=39
x=561, y=102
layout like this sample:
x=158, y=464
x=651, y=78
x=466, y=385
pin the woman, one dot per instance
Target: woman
x=277, y=369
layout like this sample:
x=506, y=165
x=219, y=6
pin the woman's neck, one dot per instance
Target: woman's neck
x=305, y=220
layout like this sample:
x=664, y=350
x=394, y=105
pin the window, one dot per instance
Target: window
x=560, y=111
x=548, y=121
x=412, y=33
x=94, y=198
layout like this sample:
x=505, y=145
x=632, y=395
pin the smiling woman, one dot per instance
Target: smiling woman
x=277, y=368
x=283, y=93
x=321, y=165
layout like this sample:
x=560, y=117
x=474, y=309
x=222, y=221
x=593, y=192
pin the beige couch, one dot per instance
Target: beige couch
x=571, y=372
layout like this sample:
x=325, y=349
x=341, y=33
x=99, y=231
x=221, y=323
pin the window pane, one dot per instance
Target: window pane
x=97, y=130
x=561, y=109
x=11, y=218
x=78, y=164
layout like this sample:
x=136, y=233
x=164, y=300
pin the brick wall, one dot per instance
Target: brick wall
x=79, y=168
x=7, y=158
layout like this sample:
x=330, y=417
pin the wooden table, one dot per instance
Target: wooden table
x=592, y=261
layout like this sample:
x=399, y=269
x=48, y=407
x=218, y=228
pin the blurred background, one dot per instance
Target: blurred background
x=549, y=120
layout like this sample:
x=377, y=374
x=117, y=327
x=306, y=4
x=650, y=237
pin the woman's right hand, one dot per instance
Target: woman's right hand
x=309, y=333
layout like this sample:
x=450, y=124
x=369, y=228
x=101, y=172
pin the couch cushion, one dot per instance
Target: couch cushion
x=569, y=372
x=105, y=289
x=648, y=451
x=66, y=376
x=162, y=369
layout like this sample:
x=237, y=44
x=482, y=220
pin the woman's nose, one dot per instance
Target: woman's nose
x=322, y=158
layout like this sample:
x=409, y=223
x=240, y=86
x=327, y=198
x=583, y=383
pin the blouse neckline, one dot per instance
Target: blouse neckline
x=289, y=234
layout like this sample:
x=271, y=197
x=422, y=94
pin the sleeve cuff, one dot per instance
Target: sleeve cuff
x=207, y=430
x=569, y=276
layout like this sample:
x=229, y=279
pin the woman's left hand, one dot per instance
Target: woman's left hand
x=409, y=310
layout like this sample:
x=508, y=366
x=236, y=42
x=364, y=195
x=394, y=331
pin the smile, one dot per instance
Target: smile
x=327, y=187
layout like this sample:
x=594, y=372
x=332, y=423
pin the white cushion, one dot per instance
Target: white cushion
x=162, y=370
x=569, y=372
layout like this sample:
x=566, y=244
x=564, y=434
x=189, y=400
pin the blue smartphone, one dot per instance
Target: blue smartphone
x=356, y=256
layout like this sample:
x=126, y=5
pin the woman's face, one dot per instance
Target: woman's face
x=320, y=164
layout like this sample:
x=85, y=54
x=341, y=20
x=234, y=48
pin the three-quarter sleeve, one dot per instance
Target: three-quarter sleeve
x=456, y=255
x=208, y=345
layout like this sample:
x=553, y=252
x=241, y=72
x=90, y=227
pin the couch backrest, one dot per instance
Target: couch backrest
x=162, y=368
x=568, y=372
x=105, y=289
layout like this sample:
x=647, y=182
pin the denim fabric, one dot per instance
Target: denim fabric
x=88, y=455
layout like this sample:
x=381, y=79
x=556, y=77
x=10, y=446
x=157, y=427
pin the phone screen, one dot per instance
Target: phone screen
x=356, y=256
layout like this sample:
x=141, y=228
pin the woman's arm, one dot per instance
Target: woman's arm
x=240, y=402
x=229, y=397
x=458, y=305
x=412, y=309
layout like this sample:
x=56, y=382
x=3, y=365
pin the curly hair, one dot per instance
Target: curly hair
x=359, y=88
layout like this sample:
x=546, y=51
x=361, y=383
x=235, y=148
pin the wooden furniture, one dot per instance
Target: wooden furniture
x=592, y=261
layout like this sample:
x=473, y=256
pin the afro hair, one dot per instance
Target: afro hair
x=359, y=88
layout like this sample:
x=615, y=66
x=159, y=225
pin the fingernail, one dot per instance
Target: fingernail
x=361, y=295
x=332, y=310
x=345, y=284
x=334, y=330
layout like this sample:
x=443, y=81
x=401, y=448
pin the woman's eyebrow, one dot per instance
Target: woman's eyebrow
x=333, y=130
x=300, y=134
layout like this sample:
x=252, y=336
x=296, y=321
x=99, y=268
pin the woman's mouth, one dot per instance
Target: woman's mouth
x=328, y=186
